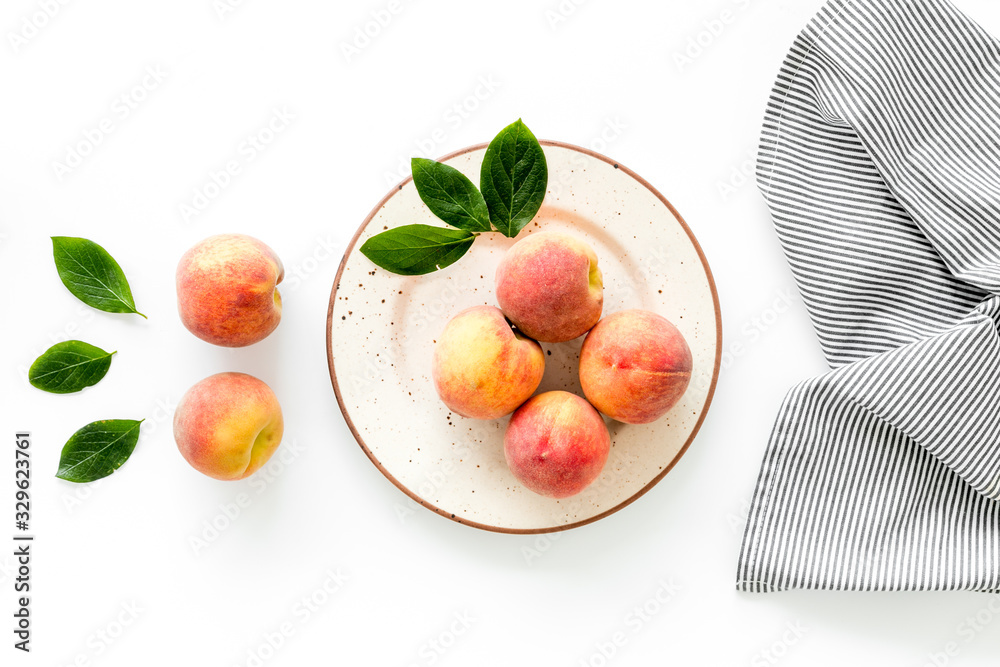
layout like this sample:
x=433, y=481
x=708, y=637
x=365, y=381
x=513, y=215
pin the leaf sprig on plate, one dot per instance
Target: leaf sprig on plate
x=512, y=185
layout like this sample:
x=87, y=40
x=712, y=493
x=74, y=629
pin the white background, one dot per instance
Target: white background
x=607, y=77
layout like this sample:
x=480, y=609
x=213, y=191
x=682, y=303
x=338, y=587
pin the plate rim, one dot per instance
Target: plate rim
x=500, y=529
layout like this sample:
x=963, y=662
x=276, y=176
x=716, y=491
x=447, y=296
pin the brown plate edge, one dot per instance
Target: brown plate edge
x=553, y=529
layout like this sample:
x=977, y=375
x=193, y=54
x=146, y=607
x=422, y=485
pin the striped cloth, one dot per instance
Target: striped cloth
x=880, y=162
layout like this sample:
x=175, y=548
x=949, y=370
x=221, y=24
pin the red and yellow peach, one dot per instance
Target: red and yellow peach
x=549, y=286
x=484, y=369
x=634, y=366
x=228, y=425
x=556, y=444
x=226, y=290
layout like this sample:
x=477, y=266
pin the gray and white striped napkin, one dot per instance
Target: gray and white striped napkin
x=880, y=162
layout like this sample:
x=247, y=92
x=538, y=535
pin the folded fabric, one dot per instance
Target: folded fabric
x=880, y=163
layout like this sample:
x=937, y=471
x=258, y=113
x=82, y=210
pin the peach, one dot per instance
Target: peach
x=226, y=290
x=634, y=366
x=556, y=444
x=482, y=368
x=549, y=286
x=228, y=425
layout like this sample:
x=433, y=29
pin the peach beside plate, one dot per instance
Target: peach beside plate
x=381, y=330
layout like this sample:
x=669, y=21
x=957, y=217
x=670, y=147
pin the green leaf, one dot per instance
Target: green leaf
x=98, y=449
x=450, y=195
x=514, y=178
x=92, y=275
x=413, y=250
x=69, y=367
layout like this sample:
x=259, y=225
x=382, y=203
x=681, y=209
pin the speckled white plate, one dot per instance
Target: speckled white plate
x=381, y=329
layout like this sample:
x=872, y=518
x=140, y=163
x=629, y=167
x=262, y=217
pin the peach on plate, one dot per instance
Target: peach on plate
x=634, y=366
x=556, y=444
x=549, y=286
x=226, y=290
x=228, y=425
x=482, y=368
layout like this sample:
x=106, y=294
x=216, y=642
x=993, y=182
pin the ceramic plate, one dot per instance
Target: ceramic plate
x=381, y=330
